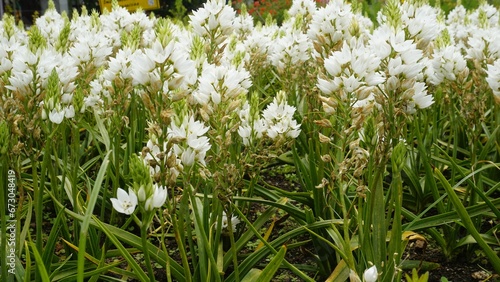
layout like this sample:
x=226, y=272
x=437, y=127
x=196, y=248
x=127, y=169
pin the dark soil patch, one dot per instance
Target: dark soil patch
x=463, y=268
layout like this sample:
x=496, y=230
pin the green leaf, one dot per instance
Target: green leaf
x=88, y=213
x=448, y=217
x=268, y=273
x=53, y=238
x=128, y=257
x=340, y=273
x=252, y=275
x=40, y=267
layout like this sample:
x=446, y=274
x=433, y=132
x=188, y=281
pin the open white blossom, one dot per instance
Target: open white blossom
x=251, y=127
x=302, y=7
x=56, y=116
x=124, y=202
x=354, y=66
x=50, y=25
x=420, y=98
x=120, y=66
x=421, y=21
x=225, y=221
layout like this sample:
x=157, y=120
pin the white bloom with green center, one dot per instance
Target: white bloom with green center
x=124, y=202
x=302, y=7
x=351, y=68
x=421, y=22
x=420, y=98
x=50, y=24
x=120, y=65
x=251, y=126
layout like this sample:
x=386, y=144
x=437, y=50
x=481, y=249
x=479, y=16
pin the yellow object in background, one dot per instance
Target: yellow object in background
x=131, y=5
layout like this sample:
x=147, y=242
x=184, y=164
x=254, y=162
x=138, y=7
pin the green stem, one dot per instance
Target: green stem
x=38, y=189
x=347, y=237
x=179, y=237
x=144, y=236
x=395, y=245
x=233, y=248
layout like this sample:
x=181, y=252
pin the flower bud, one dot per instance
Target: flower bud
x=326, y=158
x=371, y=274
x=393, y=83
x=323, y=138
x=398, y=156
x=323, y=123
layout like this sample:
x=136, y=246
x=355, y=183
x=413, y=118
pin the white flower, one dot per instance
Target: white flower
x=493, y=77
x=124, y=203
x=69, y=111
x=446, y=63
x=187, y=155
x=219, y=84
x=157, y=199
x=225, y=222
x=370, y=274
x=56, y=116
x=120, y=65
x=421, y=22
x=421, y=98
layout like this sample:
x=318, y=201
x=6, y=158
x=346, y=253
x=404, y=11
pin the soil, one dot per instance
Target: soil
x=463, y=268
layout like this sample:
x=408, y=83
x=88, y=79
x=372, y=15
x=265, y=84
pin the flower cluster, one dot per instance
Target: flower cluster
x=214, y=20
x=127, y=202
x=194, y=145
x=277, y=121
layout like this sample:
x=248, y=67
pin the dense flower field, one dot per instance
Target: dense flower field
x=133, y=147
